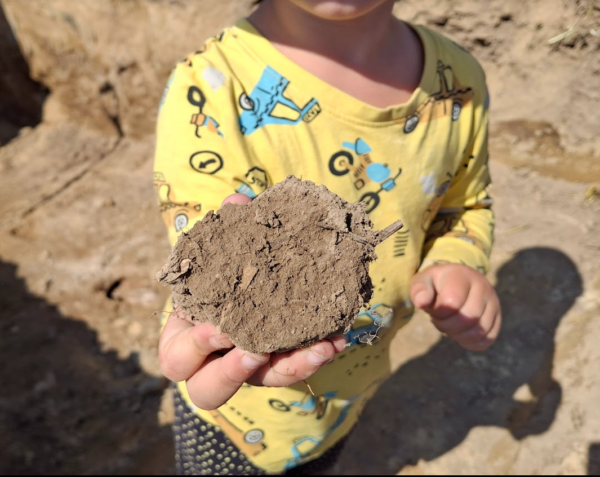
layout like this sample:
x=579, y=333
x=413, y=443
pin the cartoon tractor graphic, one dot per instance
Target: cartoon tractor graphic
x=175, y=214
x=309, y=405
x=307, y=444
x=250, y=442
x=449, y=100
x=364, y=172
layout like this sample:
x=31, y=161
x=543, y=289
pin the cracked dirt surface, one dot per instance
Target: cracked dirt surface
x=82, y=392
x=283, y=272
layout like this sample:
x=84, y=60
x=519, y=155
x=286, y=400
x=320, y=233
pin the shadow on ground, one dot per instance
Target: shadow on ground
x=594, y=460
x=432, y=402
x=79, y=409
x=21, y=98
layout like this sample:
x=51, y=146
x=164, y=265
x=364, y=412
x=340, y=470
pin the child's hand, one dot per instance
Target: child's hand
x=461, y=302
x=187, y=353
x=214, y=369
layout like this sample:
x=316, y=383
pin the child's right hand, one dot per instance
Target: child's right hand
x=194, y=353
x=187, y=353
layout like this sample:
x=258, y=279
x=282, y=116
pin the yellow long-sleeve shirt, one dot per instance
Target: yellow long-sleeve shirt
x=240, y=116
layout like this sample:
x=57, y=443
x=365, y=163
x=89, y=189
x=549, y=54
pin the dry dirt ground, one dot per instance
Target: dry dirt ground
x=80, y=241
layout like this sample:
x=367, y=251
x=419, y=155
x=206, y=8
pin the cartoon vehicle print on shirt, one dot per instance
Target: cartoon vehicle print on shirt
x=256, y=177
x=434, y=205
x=196, y=98
x=451, y=98
x=380, y=316
x=250, y=442
x=305, y=445
x=267, y=104
x=175, y=214
x=449, y=225
x=364, y=172
x=309, y=405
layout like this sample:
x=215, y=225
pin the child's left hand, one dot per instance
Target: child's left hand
x=461, y=302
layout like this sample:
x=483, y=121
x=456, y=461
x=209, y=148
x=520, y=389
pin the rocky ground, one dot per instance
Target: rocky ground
x=80, y=240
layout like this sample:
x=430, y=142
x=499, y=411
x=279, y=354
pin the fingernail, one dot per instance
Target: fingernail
x=252, y=361
x=220, y=341
x=339, y=344
x=317, y=359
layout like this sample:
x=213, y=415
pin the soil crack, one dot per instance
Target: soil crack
x=44, y=200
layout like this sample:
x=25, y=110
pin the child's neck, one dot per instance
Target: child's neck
x=351, y=42
x=374, y=57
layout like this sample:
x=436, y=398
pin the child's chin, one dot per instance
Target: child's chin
x=338, y=9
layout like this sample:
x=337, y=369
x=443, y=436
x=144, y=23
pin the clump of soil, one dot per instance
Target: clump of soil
x=289, y=269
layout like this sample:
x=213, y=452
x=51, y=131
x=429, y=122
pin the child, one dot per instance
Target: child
x=342, y=93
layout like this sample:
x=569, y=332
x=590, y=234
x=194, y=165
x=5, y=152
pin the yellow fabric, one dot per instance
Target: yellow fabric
x=239, y=116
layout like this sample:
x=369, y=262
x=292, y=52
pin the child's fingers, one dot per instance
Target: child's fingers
x=482, y=336
x=496, y=327
x=290, y=368
x=453, y=288
x=183, y=347
x=221, y=377
x=470, y=313
x=422, y=291
x=338, y=342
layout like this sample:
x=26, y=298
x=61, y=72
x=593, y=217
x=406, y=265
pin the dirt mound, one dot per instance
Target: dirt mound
x=287, y=270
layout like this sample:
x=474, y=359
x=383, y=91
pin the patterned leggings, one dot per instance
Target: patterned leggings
x=202, y=449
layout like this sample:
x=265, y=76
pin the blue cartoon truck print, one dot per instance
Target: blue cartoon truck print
x=307, y=444
x=259, y=106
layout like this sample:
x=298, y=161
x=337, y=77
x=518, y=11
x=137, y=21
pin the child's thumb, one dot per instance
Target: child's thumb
x=422, y=291
x=237, y=199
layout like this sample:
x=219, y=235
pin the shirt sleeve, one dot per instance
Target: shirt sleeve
x=200, y=156
x=462, y=230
